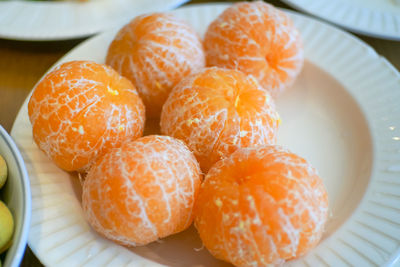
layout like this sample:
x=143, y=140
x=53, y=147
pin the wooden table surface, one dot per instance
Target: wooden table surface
x=23, y=63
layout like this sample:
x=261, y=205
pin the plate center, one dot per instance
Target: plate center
x=322, y=123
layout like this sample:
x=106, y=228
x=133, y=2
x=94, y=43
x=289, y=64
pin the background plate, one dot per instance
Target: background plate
x=376, y=18
x=60, y=20
x=342, y=114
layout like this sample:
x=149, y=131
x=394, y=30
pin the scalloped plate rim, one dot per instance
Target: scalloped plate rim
x=346, y=23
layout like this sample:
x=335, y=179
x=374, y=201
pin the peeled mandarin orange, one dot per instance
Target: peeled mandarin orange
x=155, y=52
x=261, y=206
x=216, y=111
x=80, y=110
x=257, y=39
x=142, y=191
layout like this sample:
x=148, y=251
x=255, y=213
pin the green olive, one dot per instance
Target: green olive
x=3, y=171
x=6, y=227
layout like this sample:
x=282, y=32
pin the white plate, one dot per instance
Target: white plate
x=61, y=20
x=342, y=114
x=376, y=18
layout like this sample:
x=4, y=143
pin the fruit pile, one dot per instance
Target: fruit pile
x=6, y=218
x=258, y=204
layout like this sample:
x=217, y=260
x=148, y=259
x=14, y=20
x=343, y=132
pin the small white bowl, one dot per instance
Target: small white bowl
x=16, y=194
